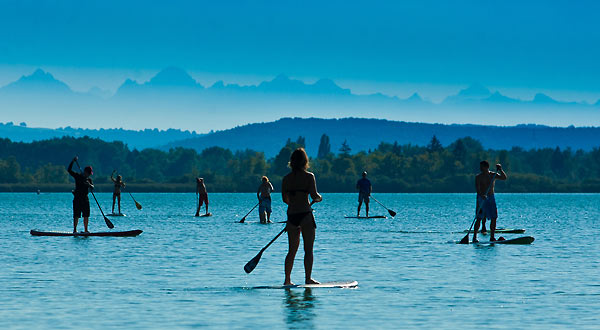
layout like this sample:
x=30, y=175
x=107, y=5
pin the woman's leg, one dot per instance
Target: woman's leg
x=113, y=205
x=308, y=236
x=119, y=202
x=294, y=242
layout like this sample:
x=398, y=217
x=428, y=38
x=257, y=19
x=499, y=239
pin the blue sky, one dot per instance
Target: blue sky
x=399, y=47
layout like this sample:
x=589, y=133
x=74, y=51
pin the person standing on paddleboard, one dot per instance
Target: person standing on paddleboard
x=264, y=200
x=81, y=203
x=295, y=189
x=117, y=191
x=202, y=195
x=364, y=191
x=486, y=202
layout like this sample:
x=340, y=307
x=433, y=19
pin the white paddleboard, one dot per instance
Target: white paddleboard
x=337, y=284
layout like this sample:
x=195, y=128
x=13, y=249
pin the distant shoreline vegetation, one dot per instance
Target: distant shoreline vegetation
x=392, y=167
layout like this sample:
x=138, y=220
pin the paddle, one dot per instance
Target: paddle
x=244, y=218
x=465, y=240
x=392, y=213
x=137, y=205
x=249, y=267
x=109, y=224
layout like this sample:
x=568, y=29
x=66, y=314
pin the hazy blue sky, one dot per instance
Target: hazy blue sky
x=395, y=46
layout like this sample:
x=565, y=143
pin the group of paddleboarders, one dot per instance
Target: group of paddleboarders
x=296, y=188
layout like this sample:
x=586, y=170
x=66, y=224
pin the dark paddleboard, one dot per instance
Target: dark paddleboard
x=504, y=231
x=369, y=217
x=339, y=284
x=519, y=240
x=116, y=215
x=128, y=233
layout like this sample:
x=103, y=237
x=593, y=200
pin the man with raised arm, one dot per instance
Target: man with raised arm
x=486, y=202
x=81, y=203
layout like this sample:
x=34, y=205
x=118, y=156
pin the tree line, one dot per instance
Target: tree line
x=391, y=167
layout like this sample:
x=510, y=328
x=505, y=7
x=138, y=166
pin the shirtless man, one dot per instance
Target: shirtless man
x=486, y=202
x=81, y=203
x=202, y=195
x=264, y=200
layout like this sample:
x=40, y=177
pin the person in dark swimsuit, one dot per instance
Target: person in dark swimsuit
x=295, y=189
x=81, y=203
x=117, y=191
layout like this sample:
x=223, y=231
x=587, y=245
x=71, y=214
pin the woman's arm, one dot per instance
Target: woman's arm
x=284, y=195
x=312, y=189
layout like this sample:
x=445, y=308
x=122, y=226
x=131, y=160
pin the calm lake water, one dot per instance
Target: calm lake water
x=186, y=272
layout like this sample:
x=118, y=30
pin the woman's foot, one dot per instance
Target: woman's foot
x=311, y=281
x=288, y=283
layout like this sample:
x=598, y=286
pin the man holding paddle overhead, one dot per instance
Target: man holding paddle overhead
x=364, y=191
x=486, y=202
x=81, y=203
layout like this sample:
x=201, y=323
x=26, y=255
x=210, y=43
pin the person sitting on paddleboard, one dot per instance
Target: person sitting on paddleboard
x=486, y=203
x=117, y=191
x=295, y=189
x=202, y=195
x=81, y=203
x=364, y=191
x=264, y=200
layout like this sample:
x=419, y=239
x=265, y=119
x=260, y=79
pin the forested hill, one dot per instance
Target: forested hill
x=365, y=134
x=148, y=138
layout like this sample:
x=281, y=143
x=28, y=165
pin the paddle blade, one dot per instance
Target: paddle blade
x=465, y=240
x=392, y=213
x=138, y=205
x=243, y=219
x=109, y=224
x=252, y=263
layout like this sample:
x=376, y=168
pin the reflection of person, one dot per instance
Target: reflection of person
x=295, y=189
x=364, y=191
x=81, y=203
x=117, y=191
x=486, y=202
x=264, y=200
x=202, y=195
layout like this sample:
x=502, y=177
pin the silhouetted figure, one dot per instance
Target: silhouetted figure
x=364, y=191
x=202, y=195
x=488, y=208
x=118, y=182
x=81, y=203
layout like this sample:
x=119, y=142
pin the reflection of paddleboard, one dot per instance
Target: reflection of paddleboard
x=518, y=240
x=369, y=217
x=117, y=215
x=504, y=231
x=102, y=233
x=205, y=215
x=340, y=284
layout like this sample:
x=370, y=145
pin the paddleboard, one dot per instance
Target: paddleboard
x=116, y=215
x=369, y=217
x=128, y=233
x=205, y=215
x=338, y=284
x=504, y=231
x=519, y=240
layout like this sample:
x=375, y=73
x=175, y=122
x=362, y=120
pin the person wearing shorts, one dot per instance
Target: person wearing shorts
x=364, y=191
x=81, y=203
x=202, y=195
x=486, y=201
x=264, y=200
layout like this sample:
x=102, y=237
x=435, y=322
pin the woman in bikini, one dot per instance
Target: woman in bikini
x=117, y=191
x=296, y=187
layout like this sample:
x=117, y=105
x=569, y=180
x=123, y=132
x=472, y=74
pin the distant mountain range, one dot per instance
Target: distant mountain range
x=172, y=98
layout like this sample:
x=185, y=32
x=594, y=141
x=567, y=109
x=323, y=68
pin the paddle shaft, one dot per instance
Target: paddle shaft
x=392, y=213
x=244, y=218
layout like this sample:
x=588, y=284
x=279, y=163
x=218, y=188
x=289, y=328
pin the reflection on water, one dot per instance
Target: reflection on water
x=299, y=308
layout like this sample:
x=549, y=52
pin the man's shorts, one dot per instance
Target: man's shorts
x=264, y=205
x=203, y=198
x=363, y=197
x=488, y=208
x=81, y=207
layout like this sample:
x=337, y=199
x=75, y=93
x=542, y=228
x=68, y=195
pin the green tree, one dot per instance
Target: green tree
x=345, y=149
x=324, y=147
